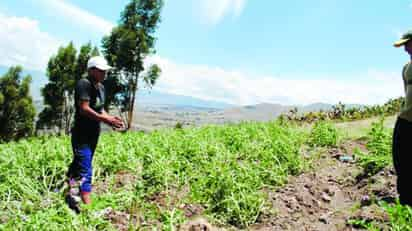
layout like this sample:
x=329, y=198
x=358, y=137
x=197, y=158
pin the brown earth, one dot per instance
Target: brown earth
x=330, y=195
x=323, y=198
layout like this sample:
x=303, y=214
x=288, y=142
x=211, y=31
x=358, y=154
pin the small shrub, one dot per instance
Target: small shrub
x=379, y=147
x=323, y=134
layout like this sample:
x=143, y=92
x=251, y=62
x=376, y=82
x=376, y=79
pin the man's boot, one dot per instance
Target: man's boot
x=86, y=197
x=72, y=195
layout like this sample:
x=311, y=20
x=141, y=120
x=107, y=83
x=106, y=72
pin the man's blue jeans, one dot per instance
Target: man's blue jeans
x=81, y=167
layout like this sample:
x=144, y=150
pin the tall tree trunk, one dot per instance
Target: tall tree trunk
x=132, y=100
x=63, y=116
x=67, y=113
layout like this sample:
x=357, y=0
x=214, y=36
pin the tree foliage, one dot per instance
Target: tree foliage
x=17, y=111
x=126, y=48
x=63, y=70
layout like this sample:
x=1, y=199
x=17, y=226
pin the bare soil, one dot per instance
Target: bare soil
x=330, y=195
x=326, y=197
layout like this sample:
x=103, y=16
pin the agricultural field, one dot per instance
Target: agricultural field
x=253, y=175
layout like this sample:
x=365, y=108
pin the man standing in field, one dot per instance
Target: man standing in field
x=401, y=149
x=89, y=101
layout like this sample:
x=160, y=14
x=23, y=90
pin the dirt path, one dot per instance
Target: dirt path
x=329, y=195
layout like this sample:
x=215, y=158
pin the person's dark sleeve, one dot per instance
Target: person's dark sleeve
x=82, y=90
x=103, y=93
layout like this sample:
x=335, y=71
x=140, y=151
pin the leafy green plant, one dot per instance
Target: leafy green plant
x=400, y=217
x=379, y=146
x=323, y=134
x=363, y=224
x=380, y=139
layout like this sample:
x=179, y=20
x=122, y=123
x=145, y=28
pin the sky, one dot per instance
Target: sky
x=236, y=51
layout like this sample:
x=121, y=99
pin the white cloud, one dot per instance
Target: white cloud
x=213, y=11
x=23, y=43
x=78, y=16
x=235, y=87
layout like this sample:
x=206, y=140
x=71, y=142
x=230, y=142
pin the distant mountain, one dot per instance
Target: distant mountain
x=145, y=98
x=154, y=99
x=268, y=111
x=258, y=112
x=315, y=107
x=159, y=99
x=325, y=107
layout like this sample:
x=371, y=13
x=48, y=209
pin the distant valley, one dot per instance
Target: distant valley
x=156, y=109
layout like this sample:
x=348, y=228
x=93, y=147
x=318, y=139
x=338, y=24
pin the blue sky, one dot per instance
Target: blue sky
x=236, y=51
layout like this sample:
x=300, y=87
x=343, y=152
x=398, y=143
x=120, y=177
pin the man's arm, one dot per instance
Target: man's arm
x=104, y=113
x=86, y=110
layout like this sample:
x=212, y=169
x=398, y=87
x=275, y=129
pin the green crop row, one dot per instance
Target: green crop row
x=224, y=170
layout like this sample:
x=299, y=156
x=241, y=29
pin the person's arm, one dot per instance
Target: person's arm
x=86, y=110
x=82, y=93
x=104, y=113
x=405, y=82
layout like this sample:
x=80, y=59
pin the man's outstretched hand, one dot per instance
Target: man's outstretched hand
x=115, y=122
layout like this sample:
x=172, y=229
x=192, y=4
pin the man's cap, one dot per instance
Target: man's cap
x=404, y=39
x=98, y=62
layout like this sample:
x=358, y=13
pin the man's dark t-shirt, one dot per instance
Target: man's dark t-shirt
x=85, y=128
